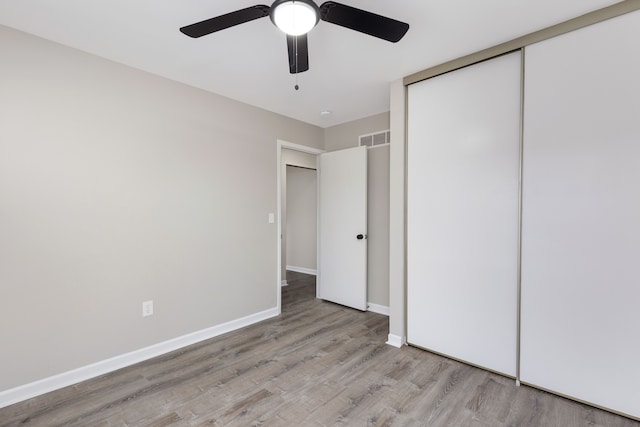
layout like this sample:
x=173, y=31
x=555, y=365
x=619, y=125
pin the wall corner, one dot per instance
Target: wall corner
x=397, y=202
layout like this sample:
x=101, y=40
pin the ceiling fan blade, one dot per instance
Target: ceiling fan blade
x=363, y=21
x=298, y=51
x=221, y=22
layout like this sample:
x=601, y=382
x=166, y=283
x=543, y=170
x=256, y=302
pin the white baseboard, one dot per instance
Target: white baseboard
x=283, y=283
x=377, y=308
x=396, y=340
x=302, y=270
x=27, y=391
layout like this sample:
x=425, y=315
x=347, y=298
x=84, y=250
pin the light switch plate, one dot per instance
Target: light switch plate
x=147, y=308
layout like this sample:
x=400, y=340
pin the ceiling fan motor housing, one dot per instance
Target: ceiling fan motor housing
x=283, y=3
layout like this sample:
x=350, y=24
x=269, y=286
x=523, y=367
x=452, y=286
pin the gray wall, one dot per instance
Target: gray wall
x=302, y=210
x=397, y=293
x=346, y=136
x=117, y=186
x=378, y=225
x=294, y=158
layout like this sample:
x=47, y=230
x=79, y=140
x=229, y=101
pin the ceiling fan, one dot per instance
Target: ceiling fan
x=297, y=17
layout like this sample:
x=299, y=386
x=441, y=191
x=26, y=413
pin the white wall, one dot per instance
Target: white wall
x=302, y=209
x=117, y=186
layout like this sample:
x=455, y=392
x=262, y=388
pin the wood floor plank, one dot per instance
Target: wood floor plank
x=318, y=364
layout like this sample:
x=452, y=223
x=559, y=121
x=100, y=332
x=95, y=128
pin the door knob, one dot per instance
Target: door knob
x=361, y=236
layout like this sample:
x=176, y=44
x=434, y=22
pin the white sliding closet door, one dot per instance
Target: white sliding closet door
x=581, y=215
x=463, y=196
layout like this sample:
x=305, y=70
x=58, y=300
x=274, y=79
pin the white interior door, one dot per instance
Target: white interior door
x=342, y=274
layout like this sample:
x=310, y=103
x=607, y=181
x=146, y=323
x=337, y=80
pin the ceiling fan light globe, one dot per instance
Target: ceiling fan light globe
x=295, y=17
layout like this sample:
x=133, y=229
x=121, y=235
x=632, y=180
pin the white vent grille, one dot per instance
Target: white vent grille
x=375, y=139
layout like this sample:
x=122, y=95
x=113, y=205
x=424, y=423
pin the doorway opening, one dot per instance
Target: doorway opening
x=297, y=239
x=299, y=217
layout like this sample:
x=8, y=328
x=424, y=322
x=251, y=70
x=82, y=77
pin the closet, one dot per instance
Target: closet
x=523, y=214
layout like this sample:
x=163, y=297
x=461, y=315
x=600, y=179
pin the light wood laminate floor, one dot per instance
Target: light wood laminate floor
x=317, y=364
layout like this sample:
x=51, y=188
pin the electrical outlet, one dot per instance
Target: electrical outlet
x=147, y=308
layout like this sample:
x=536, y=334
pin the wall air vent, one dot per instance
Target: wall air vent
x=375, y=139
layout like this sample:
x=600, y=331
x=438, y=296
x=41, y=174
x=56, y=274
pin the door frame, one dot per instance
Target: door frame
x=280, y=145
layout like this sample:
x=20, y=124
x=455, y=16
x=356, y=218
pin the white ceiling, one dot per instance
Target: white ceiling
x=349, y=72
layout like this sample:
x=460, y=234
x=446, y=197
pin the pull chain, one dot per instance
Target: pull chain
x=295, y=48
